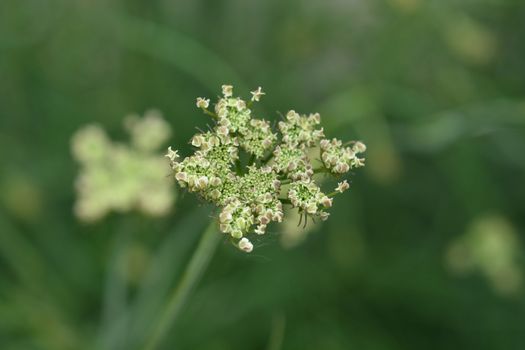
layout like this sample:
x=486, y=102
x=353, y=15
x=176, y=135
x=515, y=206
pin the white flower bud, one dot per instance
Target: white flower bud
x=342, y=186
x=182, y=176
x=215, y=181
x=311, y=208
x=197, y=140
x=245, y=245
x=236, y=233
x=359, y=147
x=227, y=90
x=324, y=215
x=324, y=144
x=240, y=105
x=223, y=130
x=261, y=229
x=316, y=118
x=359, y=162
x=326, y=202
x=202, y=102
x=256, y=95
x=172, y=155
x=202, y=182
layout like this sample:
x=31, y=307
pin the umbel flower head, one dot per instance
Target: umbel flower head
x=275, y=170
x=121, y=177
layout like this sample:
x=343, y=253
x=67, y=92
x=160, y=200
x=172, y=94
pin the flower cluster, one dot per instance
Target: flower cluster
x=275, y=170
x=339, y=159
x=121, y=177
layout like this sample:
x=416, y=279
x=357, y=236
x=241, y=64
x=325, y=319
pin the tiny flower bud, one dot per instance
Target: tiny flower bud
x=227, y=90
x=197, y=140
x=342, y=186
x=172, y=155
x=202, y=103
x=240, y=105
x=202, y=182
x=261, y=229
x=215, y=181
x=256, y=95
x=236, y=234
x=326, y=202
x=225, y=217
x=324, y=215
x=324, y=144
x=223, y=130
x=311, y=208
x=182, y=176
x=245, y=245
x=359, y=147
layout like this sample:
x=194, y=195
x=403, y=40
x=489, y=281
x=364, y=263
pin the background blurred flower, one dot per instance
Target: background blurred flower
x=120, y=177
x=492, y=247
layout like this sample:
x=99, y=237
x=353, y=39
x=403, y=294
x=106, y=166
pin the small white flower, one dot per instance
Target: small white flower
x=202, y=102
x=202, y=182
x=256, y=95
x=225, y=217
x=182, y=176
x=240, y=104
x=227, y=90
x=245, y=245
x=326, y=202
x=359, y=147
x=311, y=208
x=359, y=162
x=261, y=229
x=342, y=186
x=172, y=155
x=222, y=131
x=324, y=215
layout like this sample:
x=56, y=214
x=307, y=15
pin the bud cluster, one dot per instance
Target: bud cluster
x=339, y=159
x=251, y=193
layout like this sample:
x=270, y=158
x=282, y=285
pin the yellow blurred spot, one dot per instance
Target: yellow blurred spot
x=470, y=40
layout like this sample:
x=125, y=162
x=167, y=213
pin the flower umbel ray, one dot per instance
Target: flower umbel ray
x=279, y=171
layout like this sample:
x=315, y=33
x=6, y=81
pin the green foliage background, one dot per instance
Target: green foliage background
x=435, y=88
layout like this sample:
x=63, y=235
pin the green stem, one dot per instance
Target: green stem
x=252, y=159
x=190, y=277
x=238, y=167
x=267, y=158
x=213, y=115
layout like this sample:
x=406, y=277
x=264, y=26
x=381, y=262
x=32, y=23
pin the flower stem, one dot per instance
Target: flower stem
x=320, y=170
x=267, y=158
x=211, y=114
x=190, y=277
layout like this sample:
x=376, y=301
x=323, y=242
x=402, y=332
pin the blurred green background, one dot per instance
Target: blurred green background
x=425, y=251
